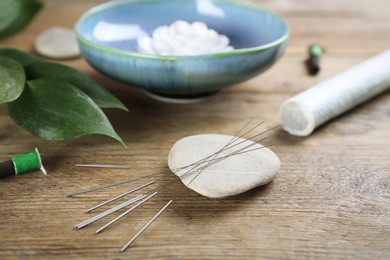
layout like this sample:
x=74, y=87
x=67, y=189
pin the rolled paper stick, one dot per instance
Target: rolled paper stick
x=301, y=114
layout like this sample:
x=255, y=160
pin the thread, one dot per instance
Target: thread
x=301, y=114
x=22, y=164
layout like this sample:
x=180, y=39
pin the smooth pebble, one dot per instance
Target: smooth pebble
x=231, y=176
x=57, y=43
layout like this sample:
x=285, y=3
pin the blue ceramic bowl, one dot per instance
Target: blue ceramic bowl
x=107, y=37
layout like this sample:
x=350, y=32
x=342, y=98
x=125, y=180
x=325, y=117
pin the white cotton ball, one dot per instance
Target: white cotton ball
x=161, y=47
x=145, y=45
x=175, y=42
x=160, y=32
x=181, y=27
x=199, y=29
x=212, y=35
x=199, y=26
x=182, y=38
x=222, y=40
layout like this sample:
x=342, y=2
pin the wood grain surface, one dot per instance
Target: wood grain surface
x=330, y=199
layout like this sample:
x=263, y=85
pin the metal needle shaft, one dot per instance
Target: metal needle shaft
x=108, y=212
x=126, y=212
x=103, y=166
x=101, y=187
x=145, y=227
x=122, y=195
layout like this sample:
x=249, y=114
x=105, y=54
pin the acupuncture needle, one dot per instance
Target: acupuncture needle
x=108, y=212
x=234, y=145
x=221, y=159
x=234, y=138
x=216, y=160
x=112, y=166
x=126, y=212
x=226, y=147
x=145, y=226
x=233, y=153
x=109, y=166
x=121, y=195
x=101, y=187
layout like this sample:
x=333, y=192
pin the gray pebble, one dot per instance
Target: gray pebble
x=57, y=43
x=232, y=176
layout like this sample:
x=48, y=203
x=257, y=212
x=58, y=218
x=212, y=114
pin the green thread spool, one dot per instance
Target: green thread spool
x=27, y=162
x=21, y=164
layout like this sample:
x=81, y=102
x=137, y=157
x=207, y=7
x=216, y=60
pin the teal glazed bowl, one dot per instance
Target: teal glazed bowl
x=107, y=36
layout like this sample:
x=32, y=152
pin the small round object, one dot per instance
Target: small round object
x=231, y=176
x=57, y=43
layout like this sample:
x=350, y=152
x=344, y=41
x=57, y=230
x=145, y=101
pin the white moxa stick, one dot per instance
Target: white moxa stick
x=302, y=113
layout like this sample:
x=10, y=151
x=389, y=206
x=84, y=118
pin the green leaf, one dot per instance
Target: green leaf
x=55, y=110
x=100, y=95
x=12, y=79
x=16, y=14
x=22, y=57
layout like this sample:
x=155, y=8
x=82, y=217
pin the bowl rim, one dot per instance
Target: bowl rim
x=111, y=50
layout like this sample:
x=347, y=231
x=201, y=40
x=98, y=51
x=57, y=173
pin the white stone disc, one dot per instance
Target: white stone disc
x=57, y=43
x=231, y=176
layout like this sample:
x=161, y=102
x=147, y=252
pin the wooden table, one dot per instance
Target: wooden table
x=330, y=199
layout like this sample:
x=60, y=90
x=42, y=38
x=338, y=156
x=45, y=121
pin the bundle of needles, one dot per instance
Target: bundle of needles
x=235, y=146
